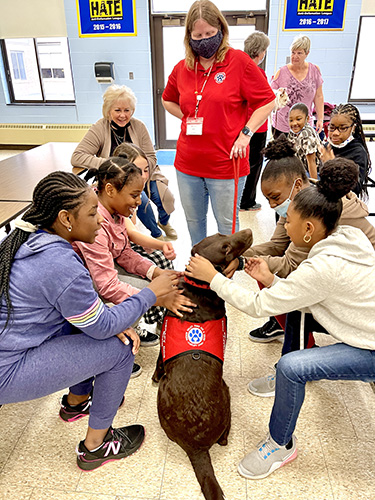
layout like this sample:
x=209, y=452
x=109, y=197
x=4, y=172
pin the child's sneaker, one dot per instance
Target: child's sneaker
x=268, y=457
x=263, y=387
x=117, y=444
x=148, y=339
x=72, y=413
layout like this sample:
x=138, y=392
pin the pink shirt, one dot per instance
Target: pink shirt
x=303, y=91
x=112, y=243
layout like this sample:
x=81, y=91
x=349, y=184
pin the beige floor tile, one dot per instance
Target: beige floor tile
x=15, y=492
x=48, y=494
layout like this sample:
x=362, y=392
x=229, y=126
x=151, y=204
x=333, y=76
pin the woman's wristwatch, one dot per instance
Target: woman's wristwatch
x=241, y=263
x=248, y=132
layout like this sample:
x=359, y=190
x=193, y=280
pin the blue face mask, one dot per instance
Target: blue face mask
x=283, y=207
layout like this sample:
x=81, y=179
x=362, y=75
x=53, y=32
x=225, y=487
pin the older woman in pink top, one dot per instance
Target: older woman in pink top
x=303, y=83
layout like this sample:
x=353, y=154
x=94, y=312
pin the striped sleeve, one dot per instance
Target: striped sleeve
x=88, y=317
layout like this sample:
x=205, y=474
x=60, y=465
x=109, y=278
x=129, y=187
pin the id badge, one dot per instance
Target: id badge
x=194, y=126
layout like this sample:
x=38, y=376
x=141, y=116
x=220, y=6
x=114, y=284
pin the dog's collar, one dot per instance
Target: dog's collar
x=194, y=283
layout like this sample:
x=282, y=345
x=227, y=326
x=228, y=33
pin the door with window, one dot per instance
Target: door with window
x=167, y=48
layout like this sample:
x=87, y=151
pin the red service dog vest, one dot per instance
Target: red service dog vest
x=179, y=337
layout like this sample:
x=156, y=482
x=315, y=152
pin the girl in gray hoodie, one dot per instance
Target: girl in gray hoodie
x=336, y=285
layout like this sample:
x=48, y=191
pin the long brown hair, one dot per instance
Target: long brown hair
x=206, y=10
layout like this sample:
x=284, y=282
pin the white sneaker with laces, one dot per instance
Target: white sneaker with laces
x=268, y=457
x=263, y=387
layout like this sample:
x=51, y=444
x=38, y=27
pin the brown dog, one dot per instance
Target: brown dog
x=193, y=399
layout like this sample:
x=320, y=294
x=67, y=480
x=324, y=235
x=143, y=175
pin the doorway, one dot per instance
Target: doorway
x=167, y=49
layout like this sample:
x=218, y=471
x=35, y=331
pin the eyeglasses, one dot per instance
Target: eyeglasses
x=341, y=128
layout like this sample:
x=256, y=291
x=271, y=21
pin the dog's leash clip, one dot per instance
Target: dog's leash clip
x=196, y=356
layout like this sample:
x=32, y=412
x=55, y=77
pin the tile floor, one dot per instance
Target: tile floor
x=336, y=428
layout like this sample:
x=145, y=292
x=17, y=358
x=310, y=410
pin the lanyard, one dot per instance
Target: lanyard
x=199, y=95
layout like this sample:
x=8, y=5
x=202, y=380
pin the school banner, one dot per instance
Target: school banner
x=106, y=18
x=318, y=15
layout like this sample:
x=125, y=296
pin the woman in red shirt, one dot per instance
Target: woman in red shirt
x=211, y=91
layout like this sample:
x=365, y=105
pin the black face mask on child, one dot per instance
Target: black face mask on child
x=207, y=47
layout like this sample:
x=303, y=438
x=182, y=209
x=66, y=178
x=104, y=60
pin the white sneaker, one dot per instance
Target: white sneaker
x=268, y=457
x=263, y=387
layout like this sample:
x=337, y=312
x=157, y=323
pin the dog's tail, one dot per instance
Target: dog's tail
x=201, y=462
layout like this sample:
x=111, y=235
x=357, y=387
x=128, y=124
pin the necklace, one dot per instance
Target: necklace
x=119, y=133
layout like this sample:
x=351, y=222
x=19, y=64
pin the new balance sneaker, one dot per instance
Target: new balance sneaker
x=268, y=332
x=263, y=387
x=268, y=457
x=136, y=371
x=117, y=444
x=72, y=413
x=148, y=339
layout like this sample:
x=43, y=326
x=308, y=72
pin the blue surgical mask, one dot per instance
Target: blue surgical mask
x=283, y=207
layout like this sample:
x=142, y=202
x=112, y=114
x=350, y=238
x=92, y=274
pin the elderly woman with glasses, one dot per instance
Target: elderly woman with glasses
x=346, y=139
x=118, y=125
x=303, y=83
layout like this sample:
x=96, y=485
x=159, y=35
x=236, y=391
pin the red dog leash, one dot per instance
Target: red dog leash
x=236, y=168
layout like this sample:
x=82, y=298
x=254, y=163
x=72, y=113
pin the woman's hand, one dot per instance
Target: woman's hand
x=326, y=153
x=127, y=334
x=258, y=269
x=165, y=283
x=168, y=251
x=319, y=126
x=176, y=302
x=240, y=146
x=200, y=269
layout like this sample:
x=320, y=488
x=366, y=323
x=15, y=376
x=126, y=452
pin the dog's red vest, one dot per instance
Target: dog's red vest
x=180, y=337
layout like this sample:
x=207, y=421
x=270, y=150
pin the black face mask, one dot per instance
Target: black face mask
x=207, y=47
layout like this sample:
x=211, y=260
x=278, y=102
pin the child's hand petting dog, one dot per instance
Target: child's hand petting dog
x=200, y=269
x=176, y=302
x=258, y=269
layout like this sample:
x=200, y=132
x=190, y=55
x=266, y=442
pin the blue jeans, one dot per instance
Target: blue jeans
x=147, y=217
x=195, y=193
x=333, y=362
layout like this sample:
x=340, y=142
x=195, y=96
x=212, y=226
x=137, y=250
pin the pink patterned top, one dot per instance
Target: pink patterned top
x=303, y=91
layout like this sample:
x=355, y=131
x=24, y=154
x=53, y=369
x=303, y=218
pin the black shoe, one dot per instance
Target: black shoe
x=72, y=413
x=117, y=444
x=148, y=339
x=136, y=371
x=268, y=332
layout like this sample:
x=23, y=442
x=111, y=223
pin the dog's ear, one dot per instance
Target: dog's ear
x=227, y=248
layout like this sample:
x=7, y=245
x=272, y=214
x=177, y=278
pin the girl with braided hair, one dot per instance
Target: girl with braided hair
x=335, y=284
x=46, y=295
x=347, y=140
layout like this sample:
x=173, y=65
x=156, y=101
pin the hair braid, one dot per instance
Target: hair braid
x=117, y=171
x=58, y=191
x=353, y=113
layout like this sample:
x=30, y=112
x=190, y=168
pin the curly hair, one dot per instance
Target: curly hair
x=113, y=94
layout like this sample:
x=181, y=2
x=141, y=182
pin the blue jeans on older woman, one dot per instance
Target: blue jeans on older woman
x=333, y=362
x=195, y=193
x=146, y=214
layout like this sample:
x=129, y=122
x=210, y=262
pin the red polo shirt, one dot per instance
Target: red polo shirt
x=233, y=86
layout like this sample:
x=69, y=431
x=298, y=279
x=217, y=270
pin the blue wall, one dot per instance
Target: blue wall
x=333, y=52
